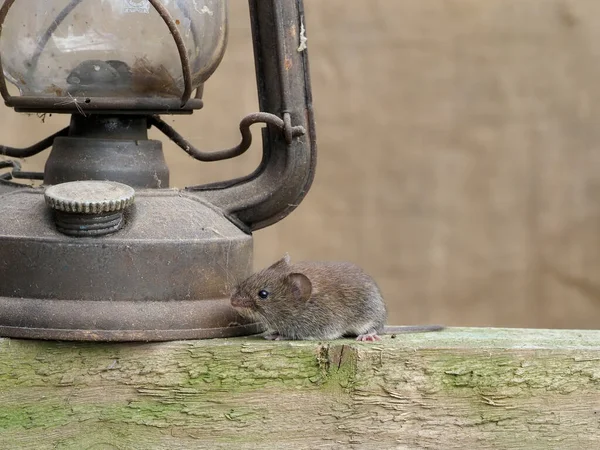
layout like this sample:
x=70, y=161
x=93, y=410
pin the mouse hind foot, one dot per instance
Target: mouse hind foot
x=371, y=336
x=367, y=332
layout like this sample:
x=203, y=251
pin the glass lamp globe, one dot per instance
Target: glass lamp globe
x=112, y=48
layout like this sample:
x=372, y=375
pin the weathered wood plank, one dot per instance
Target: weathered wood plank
x=461, y=388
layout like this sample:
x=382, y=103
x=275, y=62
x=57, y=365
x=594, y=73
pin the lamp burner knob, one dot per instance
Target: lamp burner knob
x=89, y=208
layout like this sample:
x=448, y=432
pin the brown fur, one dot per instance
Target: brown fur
x=313, y=300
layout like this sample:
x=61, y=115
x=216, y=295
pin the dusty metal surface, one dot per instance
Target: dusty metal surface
x=108, y=148
x=164, y=275
x=8, y=186
x=141, y=335
x=104, y=105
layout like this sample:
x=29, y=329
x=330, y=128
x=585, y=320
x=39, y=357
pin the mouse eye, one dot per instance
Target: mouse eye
x=263, y=294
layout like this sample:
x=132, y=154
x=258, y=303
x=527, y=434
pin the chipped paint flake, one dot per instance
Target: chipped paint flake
x=303, y=38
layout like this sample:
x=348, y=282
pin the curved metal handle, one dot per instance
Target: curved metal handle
x=287, y=169
x=284, y=125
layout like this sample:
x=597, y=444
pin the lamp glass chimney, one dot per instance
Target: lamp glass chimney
x=113, y=48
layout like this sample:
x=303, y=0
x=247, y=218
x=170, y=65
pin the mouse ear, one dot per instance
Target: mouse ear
x=301, y=286
x=283, y=262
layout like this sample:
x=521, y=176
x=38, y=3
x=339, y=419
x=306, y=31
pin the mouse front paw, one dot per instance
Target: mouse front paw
x=275, y=336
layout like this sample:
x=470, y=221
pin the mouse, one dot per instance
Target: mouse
x=313, y=300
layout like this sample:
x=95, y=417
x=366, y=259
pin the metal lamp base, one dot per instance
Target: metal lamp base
x=76, y=320
x=165, y=275
x=59, y=334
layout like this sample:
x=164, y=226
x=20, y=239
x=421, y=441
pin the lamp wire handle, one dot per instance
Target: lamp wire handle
x=290, y=132
x=34, y=149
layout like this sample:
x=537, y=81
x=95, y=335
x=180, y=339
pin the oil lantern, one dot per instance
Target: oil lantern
x=104, y=249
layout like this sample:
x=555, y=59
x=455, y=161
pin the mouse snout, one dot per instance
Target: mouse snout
x=239, y=301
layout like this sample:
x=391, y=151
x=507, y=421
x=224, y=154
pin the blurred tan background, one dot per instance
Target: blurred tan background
x=459, y=153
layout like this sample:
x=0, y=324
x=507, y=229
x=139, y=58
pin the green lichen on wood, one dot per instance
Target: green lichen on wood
x=465, y=387
x=339, y=364
x=510, y=393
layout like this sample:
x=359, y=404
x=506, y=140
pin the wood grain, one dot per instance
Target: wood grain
x=460, y=388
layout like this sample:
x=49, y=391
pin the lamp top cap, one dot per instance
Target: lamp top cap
x=89, y=197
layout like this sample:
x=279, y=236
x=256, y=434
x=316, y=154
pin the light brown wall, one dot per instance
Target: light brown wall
x=459, y=153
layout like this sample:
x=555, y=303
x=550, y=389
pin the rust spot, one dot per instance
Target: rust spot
x=293, y=31
x=288, y=63
x=177, y=22
x=54, y=89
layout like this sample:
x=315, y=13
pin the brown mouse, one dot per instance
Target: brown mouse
x=316, y=300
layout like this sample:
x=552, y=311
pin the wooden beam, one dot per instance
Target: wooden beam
x=464, y=388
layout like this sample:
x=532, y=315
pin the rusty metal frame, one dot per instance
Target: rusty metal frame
x=103, y=104
x=290, y=132
x=16, y=171
x=287, y=169
x=32, y=149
